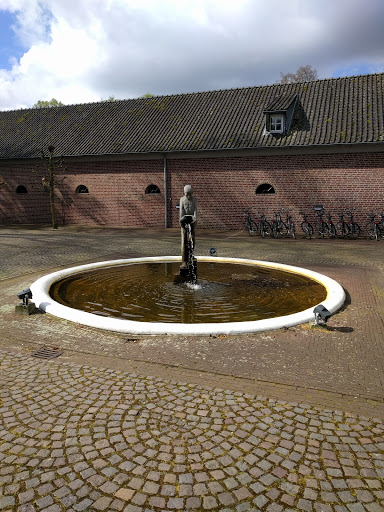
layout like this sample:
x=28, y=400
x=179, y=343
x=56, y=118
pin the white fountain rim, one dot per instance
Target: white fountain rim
x=40, y=295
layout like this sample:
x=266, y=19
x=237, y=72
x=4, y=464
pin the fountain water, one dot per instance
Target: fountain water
x=188, y=269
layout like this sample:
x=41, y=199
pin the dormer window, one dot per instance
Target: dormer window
x=276, y=123
x=278, y=115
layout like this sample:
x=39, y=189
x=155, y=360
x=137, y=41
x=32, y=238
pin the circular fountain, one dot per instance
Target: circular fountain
x=72, y=294
x=150, y=296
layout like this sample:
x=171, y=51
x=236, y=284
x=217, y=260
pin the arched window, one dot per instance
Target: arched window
x=265, y=188
x=152, y=189
x=82, y=189
x=21, y=190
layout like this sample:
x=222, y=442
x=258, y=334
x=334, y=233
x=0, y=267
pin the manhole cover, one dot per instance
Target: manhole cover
x=46, y=352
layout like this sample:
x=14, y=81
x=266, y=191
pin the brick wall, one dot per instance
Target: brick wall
x=225, y=187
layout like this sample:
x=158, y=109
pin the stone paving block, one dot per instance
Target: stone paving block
x=102, y=503
x=44, y=502
x=274, y=507
x=226, y=498
x=6, y=502
x=28, y=507
x=356, y=507
x=209, y=503
x=27, y=496
x=193, y=503
x=125, y=494
x=157, y=502
x=242, y=493
x=139, y=498
x=260, y=501
x=305, y=505
x=175, y=503
x=373, y=507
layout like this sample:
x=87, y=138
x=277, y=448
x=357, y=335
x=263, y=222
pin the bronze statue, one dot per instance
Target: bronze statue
x=188, y=217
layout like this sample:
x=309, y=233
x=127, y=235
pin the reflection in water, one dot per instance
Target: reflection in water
x=225, y=292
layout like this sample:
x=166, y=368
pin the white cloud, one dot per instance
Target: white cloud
x=85, y=50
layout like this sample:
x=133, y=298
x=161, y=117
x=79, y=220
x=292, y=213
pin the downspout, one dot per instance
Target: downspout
x=165, y=191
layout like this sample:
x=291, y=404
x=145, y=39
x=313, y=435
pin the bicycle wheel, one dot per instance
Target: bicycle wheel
x=370, y=229
x=251, y=227
x=343, y=229
x=282, y=228
x=356, y=230
x=274, y=232
x=266, y=229
x=307, y=229
x=323, y=229
x=332, y=230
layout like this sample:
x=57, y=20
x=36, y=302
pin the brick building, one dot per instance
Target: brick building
x=125, y=163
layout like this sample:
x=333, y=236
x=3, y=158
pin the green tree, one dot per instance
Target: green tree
x=48, y=103
x=303, y=74
x=147, y=95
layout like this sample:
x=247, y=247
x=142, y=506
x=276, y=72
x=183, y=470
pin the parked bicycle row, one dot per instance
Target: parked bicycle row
x=281, y=224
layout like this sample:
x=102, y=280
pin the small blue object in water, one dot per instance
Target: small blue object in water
x=212, y=251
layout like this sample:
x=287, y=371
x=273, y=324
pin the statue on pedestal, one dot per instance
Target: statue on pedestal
x=188, y=218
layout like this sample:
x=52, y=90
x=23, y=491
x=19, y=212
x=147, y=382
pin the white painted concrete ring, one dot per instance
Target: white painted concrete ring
x=40, y=295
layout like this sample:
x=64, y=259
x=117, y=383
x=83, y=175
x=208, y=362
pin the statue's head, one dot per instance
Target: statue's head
x=188, y=190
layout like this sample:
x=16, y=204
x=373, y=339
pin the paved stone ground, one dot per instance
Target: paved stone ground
x=279, y=421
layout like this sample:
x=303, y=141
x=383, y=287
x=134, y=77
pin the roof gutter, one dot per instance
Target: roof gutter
x=203, y=150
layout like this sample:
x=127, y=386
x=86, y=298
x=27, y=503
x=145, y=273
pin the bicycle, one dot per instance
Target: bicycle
x=374, y=227
x=331, y=226
x=306, y=226
x=354, y=228
x=322, y=226
x=342, y=226
x=382, y=223
x=250, y=224
x=278, y=226
x=291, y=230
x=264, y=226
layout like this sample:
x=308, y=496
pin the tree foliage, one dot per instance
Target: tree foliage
x=48, y=103
x=303, y=74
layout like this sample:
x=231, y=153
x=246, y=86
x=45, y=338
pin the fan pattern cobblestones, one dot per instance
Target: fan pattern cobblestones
x=80, y=438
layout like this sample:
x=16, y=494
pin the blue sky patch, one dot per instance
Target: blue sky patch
x=9, y=45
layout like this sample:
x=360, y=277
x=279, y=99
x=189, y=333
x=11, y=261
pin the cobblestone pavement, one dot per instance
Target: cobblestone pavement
x=279, y=421
x=82, y=438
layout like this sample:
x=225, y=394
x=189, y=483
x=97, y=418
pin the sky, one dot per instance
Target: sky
x=80, y=51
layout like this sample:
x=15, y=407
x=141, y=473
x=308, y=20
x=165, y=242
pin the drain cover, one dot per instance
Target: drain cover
x=46, y=352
